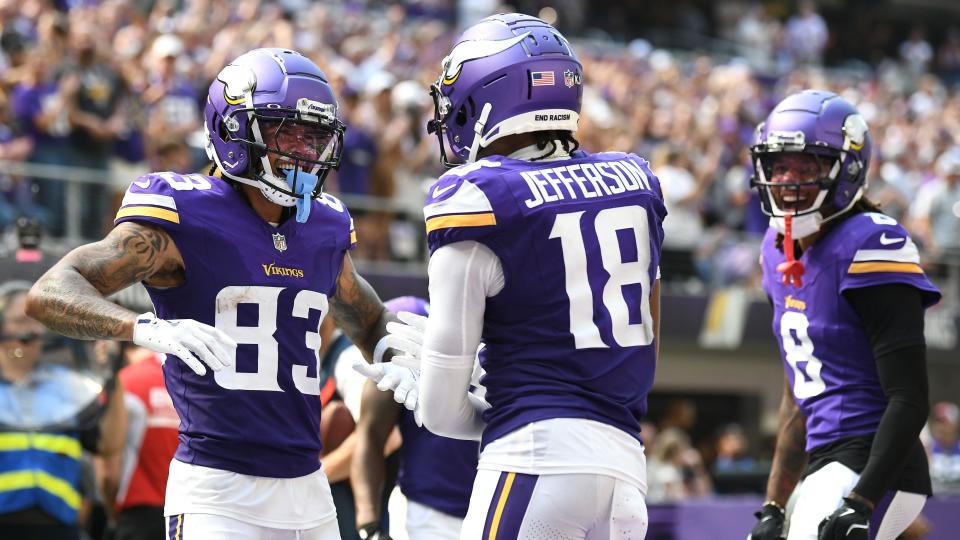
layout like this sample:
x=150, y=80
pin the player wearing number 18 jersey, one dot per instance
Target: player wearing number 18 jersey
x=550, y=255
x=241, y=269
x=848, y=315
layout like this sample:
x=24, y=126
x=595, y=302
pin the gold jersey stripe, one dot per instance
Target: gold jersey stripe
x=880, y=266
x=461, y=220
x=148, y=211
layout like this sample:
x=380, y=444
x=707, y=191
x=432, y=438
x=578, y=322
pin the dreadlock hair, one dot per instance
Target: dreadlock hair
x=862, y=206
x=550, y=137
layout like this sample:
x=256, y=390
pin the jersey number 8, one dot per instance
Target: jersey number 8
x=798, y=349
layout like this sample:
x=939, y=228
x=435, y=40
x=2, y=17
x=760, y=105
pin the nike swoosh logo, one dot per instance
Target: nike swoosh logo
x=438, y=191
x=144, y=184
x=887, y=241
x=856, y=526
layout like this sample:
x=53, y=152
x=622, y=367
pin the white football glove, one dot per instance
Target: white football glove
x=404, y=382
x=193, y=342
x=402, y=374
x=406, y=337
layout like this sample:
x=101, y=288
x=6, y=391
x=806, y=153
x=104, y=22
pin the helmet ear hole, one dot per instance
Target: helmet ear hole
x=222, y=131
x=461, y=118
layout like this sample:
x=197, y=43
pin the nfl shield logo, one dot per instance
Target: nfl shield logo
x=279, y=242
x=569, y=78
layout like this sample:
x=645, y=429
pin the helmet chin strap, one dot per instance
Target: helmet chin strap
x=478, y=132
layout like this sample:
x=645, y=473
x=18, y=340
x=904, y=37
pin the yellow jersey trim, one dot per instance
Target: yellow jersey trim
x=879, y=266
x=148, y=211
x=461, y=220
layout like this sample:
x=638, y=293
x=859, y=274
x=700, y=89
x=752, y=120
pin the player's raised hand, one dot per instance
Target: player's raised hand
x=769, y=523
x=406, y=337
x=197, y=344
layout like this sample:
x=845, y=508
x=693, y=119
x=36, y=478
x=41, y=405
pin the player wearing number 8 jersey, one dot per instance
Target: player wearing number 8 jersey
x=549, y=255
x=849, y=297
x=241, y=267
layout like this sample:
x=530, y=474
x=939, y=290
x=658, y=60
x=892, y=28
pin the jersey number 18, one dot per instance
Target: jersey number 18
x=606, y=224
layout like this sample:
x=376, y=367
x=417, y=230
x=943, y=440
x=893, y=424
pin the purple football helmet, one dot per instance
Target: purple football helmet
x=828, y=127
x=281, y=93
x=413, y=304
x=507, y=74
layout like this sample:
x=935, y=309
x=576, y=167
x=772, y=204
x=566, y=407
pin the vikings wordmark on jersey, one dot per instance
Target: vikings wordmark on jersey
x=261, y=415
x=827, y=356
x=570, y=335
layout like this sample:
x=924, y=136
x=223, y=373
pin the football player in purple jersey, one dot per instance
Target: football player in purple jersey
x=849, y=297
x=241, y=266
x=550, y=255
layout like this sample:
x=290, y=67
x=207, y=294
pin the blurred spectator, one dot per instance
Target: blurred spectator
x=96, y=115
x=806, y=35
x=948, y=56
x=134, y=483
x=15, y=193
x=359, y=149
x=664, y=478
x=170, y=99
x=41, y=108
x=944, y=448
x=675, y=470
x=758, y=35
x=48, y=414
x=172, y=154
x=732, y=449
x=936, y=210
x=682, y=194
x=916, y=52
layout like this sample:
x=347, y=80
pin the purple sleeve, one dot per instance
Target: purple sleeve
x=458, y=209
x=880, y=251
x=152, y=199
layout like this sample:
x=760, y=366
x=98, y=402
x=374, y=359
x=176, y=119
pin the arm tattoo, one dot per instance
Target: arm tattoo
x=358, y=311
x=790, y=456
x=71, y=297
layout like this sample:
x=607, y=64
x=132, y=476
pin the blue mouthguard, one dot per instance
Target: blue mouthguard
x=302, y=184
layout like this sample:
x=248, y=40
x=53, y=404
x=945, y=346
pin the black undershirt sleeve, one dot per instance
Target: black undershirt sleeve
x=892, y=317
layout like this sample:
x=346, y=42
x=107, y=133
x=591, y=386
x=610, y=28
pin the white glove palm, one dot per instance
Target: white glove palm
x=193, y=342
x=402, y=374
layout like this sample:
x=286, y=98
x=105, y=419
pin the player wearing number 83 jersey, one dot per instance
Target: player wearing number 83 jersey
x=242, y=267
x=549, y=255
x=260, y=415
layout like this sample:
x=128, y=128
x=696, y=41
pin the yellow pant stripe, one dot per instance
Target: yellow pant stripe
x=507, y=484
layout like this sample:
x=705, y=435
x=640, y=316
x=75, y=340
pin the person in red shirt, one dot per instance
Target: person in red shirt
x=136, y=480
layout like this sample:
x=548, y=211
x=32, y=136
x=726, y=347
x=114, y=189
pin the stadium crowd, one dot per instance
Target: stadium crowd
x=78, y=86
